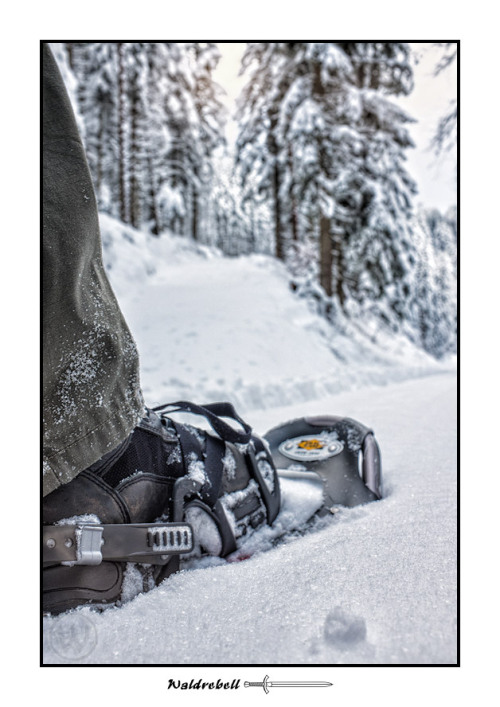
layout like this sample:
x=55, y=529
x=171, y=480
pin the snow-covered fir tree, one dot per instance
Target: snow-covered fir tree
x=434, y=302
x=445, y=137
x=137, y=92
x=320, y=138
x=209, y=133
x=152, y=119
x=259, y=153
x=95, y=66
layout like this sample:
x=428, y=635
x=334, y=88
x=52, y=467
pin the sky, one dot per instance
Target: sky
x=436, y=178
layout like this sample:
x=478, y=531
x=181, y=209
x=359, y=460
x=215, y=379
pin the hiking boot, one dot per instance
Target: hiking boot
x=170, y=489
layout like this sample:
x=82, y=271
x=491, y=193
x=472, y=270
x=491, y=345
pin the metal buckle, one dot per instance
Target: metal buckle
x=88, y=547
x=170, y=538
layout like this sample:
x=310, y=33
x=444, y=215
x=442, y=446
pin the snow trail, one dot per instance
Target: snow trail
x=212, y=328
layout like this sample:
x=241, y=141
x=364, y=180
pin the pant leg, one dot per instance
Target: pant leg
x=91, y=391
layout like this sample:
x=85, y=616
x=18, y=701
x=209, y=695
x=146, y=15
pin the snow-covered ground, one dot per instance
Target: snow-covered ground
x=214, y=328
x=373, y=585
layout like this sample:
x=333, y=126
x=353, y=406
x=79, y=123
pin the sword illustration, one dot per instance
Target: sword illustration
x=266, y=683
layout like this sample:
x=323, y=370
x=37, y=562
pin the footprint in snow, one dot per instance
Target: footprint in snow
x=343, y=629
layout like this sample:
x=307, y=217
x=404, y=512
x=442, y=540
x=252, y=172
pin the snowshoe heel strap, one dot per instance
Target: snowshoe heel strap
x=91, y=543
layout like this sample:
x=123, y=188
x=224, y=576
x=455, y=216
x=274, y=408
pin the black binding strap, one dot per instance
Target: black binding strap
x=215, y=450
x=214, y=468
x=213, y=413
x=212, y=460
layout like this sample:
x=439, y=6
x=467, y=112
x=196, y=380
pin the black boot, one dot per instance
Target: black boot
x=168, y=488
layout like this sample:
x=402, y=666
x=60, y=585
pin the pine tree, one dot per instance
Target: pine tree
x=96, y=66
x=316, y=111
x=122, y=133
x=383, y=249
x=322, y=141
x=212, y=117
x=137, y=101
x=188, y=127
x=434, y=304
x=445, y=137
x=152, y=122
x=354, y=139
x=259, y=155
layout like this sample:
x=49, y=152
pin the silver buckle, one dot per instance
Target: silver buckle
x=171, y=538
x=88, y=546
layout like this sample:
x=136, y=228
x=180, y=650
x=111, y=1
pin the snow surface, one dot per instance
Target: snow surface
x=375, y=584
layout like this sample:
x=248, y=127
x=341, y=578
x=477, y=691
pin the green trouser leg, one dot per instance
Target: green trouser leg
x=91, y=392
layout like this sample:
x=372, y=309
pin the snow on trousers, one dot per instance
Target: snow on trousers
x=91, y=391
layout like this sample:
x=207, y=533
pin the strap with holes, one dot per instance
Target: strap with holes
x=91, y=543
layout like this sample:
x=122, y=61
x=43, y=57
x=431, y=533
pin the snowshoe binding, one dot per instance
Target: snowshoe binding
x=173, y=491
x=168, y=490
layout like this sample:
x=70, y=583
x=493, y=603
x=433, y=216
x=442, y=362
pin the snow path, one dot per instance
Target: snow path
x=386, y=571
x=230, y=329
x=210, y=329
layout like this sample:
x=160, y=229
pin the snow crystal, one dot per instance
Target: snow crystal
x=243, y=448
x=81, y=519
x=205, y=531
x=196, y=470
x=229, y=464
x=231, y=500
x=138, y=472
x=175, y=456
x=133, y=582
x=267, y=473
x=353, y=439
x=198, y=434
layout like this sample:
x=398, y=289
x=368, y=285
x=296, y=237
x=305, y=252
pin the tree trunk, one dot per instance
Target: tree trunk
x=135, y=190
x=70, y=53
x=121, y=135
x=338, y=264
x=325, y=256
x=278, y=236
x=99, y=156
x=325, y=237
x=194, y=213
x=294, y=221
x=155, y=230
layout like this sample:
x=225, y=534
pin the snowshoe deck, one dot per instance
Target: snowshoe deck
x=341, y=452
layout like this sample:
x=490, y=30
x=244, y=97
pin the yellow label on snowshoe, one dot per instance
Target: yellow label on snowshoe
x=310, y=448
x=310, y=444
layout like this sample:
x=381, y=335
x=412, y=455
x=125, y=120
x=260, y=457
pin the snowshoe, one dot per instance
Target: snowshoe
x=170, y=489
x=342, y=453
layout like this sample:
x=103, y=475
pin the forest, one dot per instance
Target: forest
x=316, y=178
